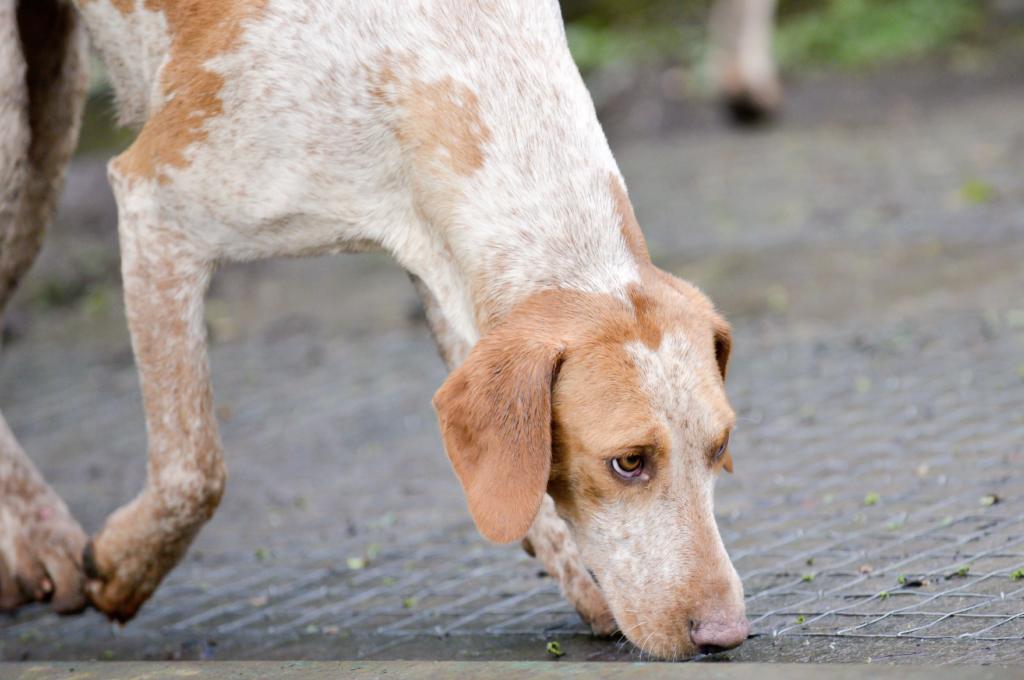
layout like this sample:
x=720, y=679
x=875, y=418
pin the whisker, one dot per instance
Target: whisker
x=625, y=639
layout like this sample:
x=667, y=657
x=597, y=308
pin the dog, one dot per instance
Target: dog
x=585, y=410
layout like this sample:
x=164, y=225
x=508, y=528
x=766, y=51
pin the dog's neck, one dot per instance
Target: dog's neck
x=517, y=190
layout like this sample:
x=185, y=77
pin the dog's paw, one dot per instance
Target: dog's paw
x=602, y=624
x=592, y=607
x=126, y=561
x=40, y=549
x=119, y=589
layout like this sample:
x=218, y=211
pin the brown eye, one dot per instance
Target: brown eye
x=628, y=466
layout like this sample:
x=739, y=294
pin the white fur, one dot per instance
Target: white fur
x=133, y=48
x=302, y=82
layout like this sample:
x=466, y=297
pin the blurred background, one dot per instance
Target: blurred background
x=857, y=215
x=812, y=34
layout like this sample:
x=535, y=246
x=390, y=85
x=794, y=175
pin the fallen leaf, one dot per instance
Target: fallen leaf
x=976, y=191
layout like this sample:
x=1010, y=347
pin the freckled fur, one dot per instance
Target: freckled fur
x=43, y=80
x=459, y=137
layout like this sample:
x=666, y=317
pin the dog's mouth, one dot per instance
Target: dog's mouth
x=594, y=576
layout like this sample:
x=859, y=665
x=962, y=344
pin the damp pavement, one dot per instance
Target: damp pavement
x=868, y=250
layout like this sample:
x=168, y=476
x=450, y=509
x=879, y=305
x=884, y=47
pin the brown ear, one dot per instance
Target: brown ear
x=495, y=416
x=723, y=345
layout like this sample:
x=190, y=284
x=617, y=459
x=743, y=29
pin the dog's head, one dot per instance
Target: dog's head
x=615, y=406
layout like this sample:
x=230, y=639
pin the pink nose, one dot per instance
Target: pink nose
x=717, y=636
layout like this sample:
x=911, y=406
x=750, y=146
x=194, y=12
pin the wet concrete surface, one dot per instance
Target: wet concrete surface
x=867, y=250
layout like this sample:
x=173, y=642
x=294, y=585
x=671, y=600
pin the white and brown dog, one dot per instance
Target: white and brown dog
x=585, y=410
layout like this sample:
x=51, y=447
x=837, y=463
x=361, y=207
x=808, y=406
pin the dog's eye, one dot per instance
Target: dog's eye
x=628, y=466
x=722, y=455
x=723, y=447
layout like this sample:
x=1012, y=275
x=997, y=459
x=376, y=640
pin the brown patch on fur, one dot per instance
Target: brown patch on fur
x=631, y=233
x=647, y=321
x=600, y=409
x=599, y=403
x=200, y=30
x=441, y=122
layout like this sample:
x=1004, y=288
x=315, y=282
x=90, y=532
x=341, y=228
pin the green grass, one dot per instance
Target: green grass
x=859, y=33
x=594, y=46
x=829, y=33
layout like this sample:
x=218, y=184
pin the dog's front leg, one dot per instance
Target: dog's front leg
x=549, y=541
x=164, y=283
x=452, y=347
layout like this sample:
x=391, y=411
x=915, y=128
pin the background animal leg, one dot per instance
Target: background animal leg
x=742, y=64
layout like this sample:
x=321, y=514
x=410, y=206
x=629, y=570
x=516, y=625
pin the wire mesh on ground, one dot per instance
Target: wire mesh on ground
x=876, y=495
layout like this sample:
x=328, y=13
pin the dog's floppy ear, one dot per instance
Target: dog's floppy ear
x=495, y=416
